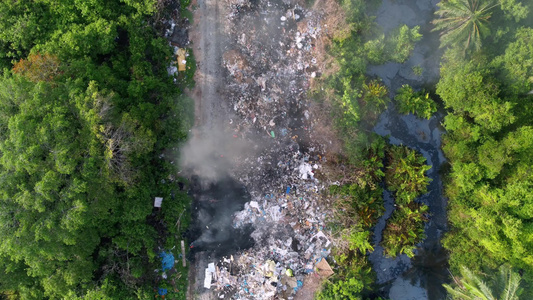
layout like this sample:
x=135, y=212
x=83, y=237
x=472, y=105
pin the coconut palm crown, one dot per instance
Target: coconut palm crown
x=463, y=22
x=504, y=285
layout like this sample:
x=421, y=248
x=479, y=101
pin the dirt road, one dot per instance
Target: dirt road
x=208, y=42
x=209, y=106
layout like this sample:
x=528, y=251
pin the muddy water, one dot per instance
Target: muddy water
x=422, y=276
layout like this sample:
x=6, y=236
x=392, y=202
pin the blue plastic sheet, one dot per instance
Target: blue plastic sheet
x=162, y=291
x=167, y=260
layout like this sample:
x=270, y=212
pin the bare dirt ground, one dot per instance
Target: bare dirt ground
x=208, y=42
x=256, y=62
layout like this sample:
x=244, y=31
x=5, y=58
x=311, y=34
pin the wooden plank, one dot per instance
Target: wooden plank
x=184, y=262
x=181, y=59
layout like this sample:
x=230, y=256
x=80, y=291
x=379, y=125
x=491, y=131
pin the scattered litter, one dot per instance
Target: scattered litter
x=211, y=267
x=324, y=269
x=180, y=55
x=305, y=170
x=162, y=292
x=208, y=279
x=167, y=260
x=158, y=201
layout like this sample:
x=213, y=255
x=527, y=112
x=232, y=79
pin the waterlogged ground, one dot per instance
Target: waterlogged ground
x=421, y=277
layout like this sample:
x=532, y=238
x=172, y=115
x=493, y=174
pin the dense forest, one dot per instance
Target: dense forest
x=485, y=85
x=87, y=110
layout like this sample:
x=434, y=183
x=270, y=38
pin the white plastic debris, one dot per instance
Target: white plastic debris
x=211, y=267
x=305, y=170
x=158, y=201
x=321, y=234
x=254, y=204
x=275, y=213
x=208, y=279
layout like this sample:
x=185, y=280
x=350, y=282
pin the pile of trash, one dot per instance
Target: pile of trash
x=270, y=65
x=290, y=234
x=264, y=272
x=271, y=62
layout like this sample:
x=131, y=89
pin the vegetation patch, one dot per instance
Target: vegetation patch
x=405, y=229
x=405, y=176
x=505, y=284
x=418, y=103
x=405, y=173
x=397, y=46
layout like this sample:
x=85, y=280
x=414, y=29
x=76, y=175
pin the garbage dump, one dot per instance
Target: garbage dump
x=270, y=65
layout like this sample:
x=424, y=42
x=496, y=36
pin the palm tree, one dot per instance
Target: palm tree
x=463, y=21
x=505, y=286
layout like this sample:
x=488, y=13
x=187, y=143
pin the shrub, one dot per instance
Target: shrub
x=418, y=103
x=402, y=42
x=404, y=230
x=405, y=173
x=375, y=97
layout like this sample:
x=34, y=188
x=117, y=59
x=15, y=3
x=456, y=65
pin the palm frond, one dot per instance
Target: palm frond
x=505, y=286
x=509, y=282
x=463, y=22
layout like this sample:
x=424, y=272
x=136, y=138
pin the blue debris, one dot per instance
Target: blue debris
x=299, y=285
x=162, y=291
x=288, y=190
x=167, y=260
x=284, y=131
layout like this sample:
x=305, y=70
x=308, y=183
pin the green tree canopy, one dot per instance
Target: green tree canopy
x=84, y=114
x=488, y=144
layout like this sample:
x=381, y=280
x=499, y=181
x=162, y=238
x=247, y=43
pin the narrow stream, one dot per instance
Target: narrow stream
x=420, y=277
